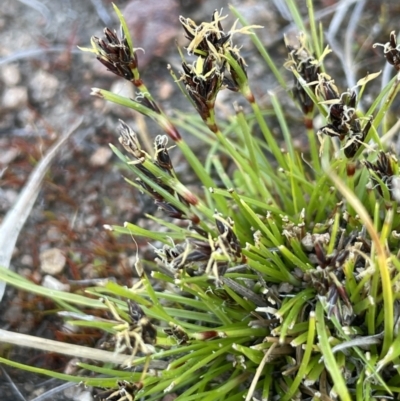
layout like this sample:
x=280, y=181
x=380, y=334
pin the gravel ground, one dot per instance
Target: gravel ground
x=45, y=85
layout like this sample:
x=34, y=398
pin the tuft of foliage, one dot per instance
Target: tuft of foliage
x=277, y=279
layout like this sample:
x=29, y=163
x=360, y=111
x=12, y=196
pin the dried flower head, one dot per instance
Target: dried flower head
x=356, y=137
x=228, y=238
x=141, y=323
x=343, y=122
x=192, y=256
x=206, y=37
x=209, y=37
x=212, y=70
x=198, y=256
x=115, y=54
x=178, y=333
x=162, y=158
x=391, y=51
x=129, y=140
x=126, y=391
x=133, y=334
x=203, y=80
x=382, y=170
x=339, y=115
x=328, y=279
x=308, y=67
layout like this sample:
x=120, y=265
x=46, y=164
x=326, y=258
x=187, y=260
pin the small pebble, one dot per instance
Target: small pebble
x=27, y=260
x=101, y=156
x=71, y=368
x=52, y=283
x=84, y=396
x=7, y=198
x=91, y=220
x=121, y=88
x=16, y=97
x=13, y=314
x=54, y=234
x=52, y=261
x=165, y=90
x=76, y=393
x=44, y=86
x=285, y=288
x=8, y=156
x=10, y=75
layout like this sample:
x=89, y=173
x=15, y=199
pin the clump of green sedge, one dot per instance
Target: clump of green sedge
x=280, y=279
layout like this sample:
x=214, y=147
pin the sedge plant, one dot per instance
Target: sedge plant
x=277, y=279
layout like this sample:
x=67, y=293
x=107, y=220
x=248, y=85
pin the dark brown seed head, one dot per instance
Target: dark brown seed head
x=203, y=81
x=115, y=54
x=383, y=169
x=130, y=142
x=308, y=68
x=391, y=51
x=161, y=153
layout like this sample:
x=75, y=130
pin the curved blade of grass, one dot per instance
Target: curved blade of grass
x=314, y=34
x=387, y=289
x=329, y=358
x=15, y=219
x=283, y=123
x=17, y=281
x=124, y=28
x=304, y=360
x=295, y=13
x=99, y=382
x=78, y=351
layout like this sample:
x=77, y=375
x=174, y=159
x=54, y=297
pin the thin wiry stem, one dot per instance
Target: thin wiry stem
x=49, y=395
x=78, y=351
x=13, y=386
x=259, y=371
